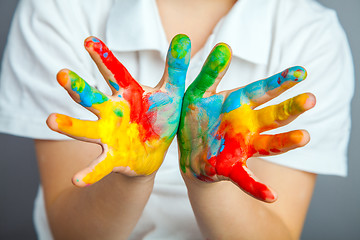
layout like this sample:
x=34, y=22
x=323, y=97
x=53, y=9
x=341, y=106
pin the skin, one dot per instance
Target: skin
x=135, y=124
x=219, y=132
x=110, y=208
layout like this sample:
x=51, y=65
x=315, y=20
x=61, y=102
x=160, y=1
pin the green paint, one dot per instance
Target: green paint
x=76, y=82
x=118, y=112
x=87, y=94
x=180, y=46
x=217, y=61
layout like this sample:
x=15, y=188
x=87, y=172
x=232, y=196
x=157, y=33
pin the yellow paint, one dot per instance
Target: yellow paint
x=244, y=119
x=125, y=148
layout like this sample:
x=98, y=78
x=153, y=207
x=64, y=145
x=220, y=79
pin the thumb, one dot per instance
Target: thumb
x=177, y=63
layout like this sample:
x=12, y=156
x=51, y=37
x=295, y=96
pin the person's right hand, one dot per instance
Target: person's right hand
x=136, y=124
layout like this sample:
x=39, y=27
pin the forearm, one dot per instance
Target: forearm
x=108, y=209
x=224, y=212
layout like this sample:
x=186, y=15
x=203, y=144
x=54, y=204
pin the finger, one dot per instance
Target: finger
x=75, y=128
x=97, y=170
x=266, y=145
x=245, y=179
x=263, y=91
x=80, y=91
x=116, y=75
x=177, y=63
x=211, y=73
x=283, y=113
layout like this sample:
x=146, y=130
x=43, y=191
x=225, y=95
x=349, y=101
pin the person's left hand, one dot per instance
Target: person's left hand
x=218, y=132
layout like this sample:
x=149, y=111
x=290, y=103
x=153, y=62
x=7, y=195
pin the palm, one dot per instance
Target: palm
x=135, y=124
x=220, y=131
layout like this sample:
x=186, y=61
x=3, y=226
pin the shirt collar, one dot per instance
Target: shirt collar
x=247, y=30
x=136, y=25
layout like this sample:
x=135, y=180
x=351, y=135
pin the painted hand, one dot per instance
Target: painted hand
x=136, y=124
x=218, y=132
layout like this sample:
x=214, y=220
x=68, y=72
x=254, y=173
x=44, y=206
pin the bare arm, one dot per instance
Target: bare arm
x=224, y=212
x=108, y=209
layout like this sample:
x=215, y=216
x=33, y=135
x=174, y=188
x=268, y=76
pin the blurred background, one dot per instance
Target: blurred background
x=335, y=209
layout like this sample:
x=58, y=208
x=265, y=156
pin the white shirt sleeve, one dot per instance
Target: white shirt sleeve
x=319, y=44
x=44, y=38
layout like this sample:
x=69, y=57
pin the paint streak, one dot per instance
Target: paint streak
x=216, y=135
x=114, y=85
x=285, y=79
x=136, y=127
x=88, y=95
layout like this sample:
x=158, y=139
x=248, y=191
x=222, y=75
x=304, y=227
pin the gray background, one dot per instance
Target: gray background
x=334, y=212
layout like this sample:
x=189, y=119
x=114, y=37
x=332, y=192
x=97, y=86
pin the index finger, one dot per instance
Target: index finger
x=211, y=73
x=114, y=72
x=262, y=91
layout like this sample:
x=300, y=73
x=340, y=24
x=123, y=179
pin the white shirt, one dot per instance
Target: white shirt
x=266, y=37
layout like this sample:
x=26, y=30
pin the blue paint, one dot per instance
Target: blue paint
x=88, y=95
x=95, y=40
x=233, y=101
x=159, y=99
x=178, y=59
x=260, y=88
x=222, y=144
x=212, y=106
x=105, y=55
x=114, y=85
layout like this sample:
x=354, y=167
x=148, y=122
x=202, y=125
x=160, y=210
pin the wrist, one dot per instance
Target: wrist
x=195, y=183
x=139, y=179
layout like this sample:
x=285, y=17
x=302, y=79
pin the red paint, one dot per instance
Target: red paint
x=132, y=91
x=285, y=73
x=274, y=150
x=231, y=163
x=204, y=178
x=263, y=152
x=241, y=177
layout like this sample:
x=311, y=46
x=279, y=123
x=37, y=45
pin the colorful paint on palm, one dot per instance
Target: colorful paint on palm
x=219, y=131
x=134, y=126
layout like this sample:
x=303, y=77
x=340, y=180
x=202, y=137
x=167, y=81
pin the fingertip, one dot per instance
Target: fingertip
x=51, y=122
x=300, y=137
x=299, y=73
x=223, y=47
x=305, y=101
x=63, y=77
x=181, y=39
x=179, y=52
x=90, y=41
x=310, y=101
x=58, y=121
x=270, y=196
x=78, y=182
x=218, y=60
x=305, y=139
